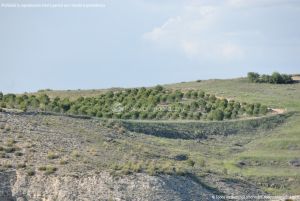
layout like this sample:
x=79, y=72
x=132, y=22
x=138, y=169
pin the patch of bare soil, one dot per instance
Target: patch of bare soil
x=296, y=78
x=277, y=110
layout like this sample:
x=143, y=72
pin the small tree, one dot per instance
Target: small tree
x=188, y=94
x=276, y=78
x=44, y=99
x=159, y=88
x=287, y=79
x=23, y=106
x=66, y=104
x=216, y=115
x=228, y=113
x=249, y=109
x=265, y=79
x=263, y=110
x=253, y=77
x=201, y=94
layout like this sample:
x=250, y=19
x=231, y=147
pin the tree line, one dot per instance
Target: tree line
x=275, y=78
x=140, y=103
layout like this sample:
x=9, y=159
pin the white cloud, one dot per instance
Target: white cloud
x=231, y=30
x=191, y=33
x=163, y=31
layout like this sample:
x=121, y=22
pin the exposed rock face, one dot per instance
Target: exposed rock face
x=16, y=186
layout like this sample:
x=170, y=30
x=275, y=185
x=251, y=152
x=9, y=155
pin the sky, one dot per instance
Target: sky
x=133, y=43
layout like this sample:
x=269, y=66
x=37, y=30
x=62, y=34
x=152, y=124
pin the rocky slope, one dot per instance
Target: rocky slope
x=45, y=158
x=17, y=186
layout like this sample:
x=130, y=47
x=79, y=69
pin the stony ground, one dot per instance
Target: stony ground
x=46, y=157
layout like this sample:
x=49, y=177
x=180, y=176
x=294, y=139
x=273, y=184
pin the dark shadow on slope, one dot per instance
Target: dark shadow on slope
x=5, y=186
x=202, y=130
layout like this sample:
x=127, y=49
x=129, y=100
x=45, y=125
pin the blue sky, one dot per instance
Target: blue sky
x=133, y=43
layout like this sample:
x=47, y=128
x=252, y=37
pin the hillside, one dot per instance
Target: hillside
x=155, y=103
x=203, y=158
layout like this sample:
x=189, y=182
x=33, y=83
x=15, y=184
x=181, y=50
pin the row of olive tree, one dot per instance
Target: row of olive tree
x=141, y=103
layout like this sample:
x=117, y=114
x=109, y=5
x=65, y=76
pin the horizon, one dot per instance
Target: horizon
x=145, y=43
x=131, y=87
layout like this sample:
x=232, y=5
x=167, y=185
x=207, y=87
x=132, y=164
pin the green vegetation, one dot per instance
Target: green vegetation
x=262, y=150
x=52, y=155
x=148, y=104
x=267, y=154
x=48, y=169
x=30, y=172
x=202, y=130
x=275, y=78
x=21, y=165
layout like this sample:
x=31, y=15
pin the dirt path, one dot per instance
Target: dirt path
x=277, y=110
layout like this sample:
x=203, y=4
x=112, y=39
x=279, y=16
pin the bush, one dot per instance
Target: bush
x=253, y=77
x=275, y=78
x=18, y=154
x=21, y=165
x=42, y=168
x=263, y=110
x=10, y=149
x=30, y=172
x=190, y=162
x=50, y=170
x=159, y=88
x=52, y=155
x=217, y=115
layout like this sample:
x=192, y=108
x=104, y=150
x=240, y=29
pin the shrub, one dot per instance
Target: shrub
x=159, y=88
x=202, y=163
x=275, y=78
x=50, y=170
x=181, y=157
x=63, y=162
x=52, y=155
x=2, y=155
x=19, y=154
x=76, y=154
x=30, y=172
x=217, y=115
x=21, y=165
x=190, y=162
x=10, y=142
x=228, y=114
x=253, y=77
x=10, y=149
x=263, y=110
x=23, y=106
x=249, y=109
x=7, y=165
x=225, y=171
x=42, y=168
x=44, y=99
